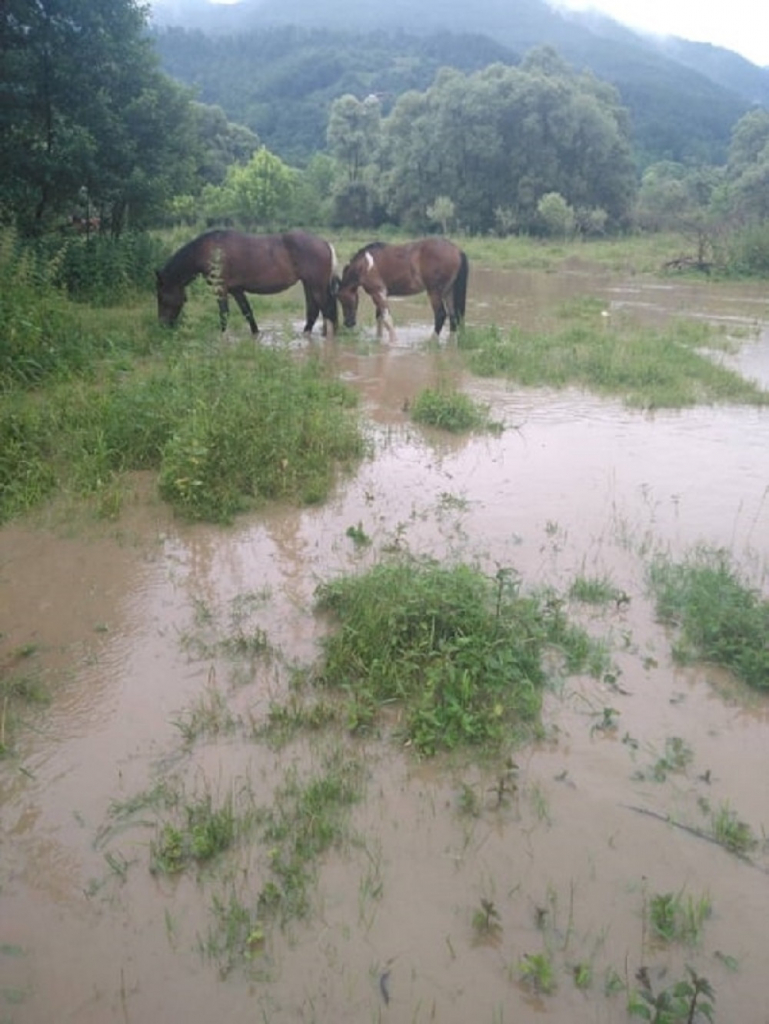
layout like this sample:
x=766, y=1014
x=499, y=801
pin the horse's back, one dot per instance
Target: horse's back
x=416, y=266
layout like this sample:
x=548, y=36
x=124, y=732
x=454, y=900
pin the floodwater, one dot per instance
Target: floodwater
x=581, y=840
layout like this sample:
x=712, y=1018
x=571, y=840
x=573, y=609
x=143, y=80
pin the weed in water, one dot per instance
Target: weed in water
x=607, y=722
x=677, y=918
x=537, y=972
x=371, y=886
x=207, y=831
x=506, y=784
x=210, y=715
x=469, y=802
x=358, y=535
x=583, y=975
x=719, y=617
x=285, y=720
x=486, y=922
x=612, y=983
x=306, y=819
x=236, y=934
x=597, y=590
x=676, y=757
x=731, y=832
x=684, y=1002
x=17, y=693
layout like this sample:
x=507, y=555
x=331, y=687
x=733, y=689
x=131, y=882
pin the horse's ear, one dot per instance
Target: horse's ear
x=158, y=277
x=335, y=283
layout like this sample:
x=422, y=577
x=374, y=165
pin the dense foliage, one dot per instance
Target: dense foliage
x=86, y=115
x=526, y=132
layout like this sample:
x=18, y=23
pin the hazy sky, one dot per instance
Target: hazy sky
x=738, y=25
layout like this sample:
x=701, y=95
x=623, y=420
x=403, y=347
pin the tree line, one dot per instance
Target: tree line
x=92, y=126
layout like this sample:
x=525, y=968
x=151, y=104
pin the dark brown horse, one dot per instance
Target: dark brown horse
x=434, y=265
x=235, y=263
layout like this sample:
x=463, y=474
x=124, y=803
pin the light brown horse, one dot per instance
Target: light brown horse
x=235, y=263
x=434, y=265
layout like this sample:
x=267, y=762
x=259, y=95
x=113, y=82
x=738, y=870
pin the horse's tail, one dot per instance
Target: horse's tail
x=460, y=287
x=331, y=312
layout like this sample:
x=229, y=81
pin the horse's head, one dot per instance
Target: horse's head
x=347, y=294
x=171, y=298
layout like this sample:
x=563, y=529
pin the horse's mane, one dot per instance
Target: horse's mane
x=182, y=265
x=367, y=248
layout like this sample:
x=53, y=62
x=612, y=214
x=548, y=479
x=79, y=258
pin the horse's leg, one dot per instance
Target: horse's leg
x=448, y=304
x=312, y=308
x=224, y=311
x=383, y=317
x=245, y=309
x=439, y=311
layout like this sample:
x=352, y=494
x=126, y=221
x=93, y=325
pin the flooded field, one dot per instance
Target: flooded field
x=464, y=891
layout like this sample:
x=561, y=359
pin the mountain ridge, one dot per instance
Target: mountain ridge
x=683, y=97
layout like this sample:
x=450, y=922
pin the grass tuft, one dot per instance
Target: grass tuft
x=645, y=368
x=451, y=410
x=719, y=617
x=459, y=651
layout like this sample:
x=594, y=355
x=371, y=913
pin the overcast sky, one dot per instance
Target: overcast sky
x=738, y=25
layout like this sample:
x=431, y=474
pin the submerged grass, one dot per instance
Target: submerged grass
x=459, y=651
x=206, y=831
x=645, y=368
x=308, y=817
x=19, y=692
x=719, y=617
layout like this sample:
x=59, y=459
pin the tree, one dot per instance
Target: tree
x=258, y=193
x=684, y=199
x=222, y=143
x=499, y=140
x=353, y=133
x=83, y=105
x=556, y=216
x=748, y=168
x=442, y=212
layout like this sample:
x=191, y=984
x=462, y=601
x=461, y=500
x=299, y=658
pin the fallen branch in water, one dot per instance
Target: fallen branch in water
x=695, y=832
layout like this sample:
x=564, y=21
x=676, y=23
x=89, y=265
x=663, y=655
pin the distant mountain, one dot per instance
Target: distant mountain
x=684, y=97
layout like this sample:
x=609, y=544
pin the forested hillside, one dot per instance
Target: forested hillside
x=681, y=109
x=284, y=95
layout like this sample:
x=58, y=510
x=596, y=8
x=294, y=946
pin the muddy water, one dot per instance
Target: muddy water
x=571, y=854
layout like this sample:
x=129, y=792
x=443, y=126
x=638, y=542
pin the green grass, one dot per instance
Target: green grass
x=719, y=618
x=645, y=368
x=206, y=831
x=459, y=651
x=731, y=832
x=537, y=972
x=223, y=431
x=451, y=410
x=675, y=917
x=598, y=590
